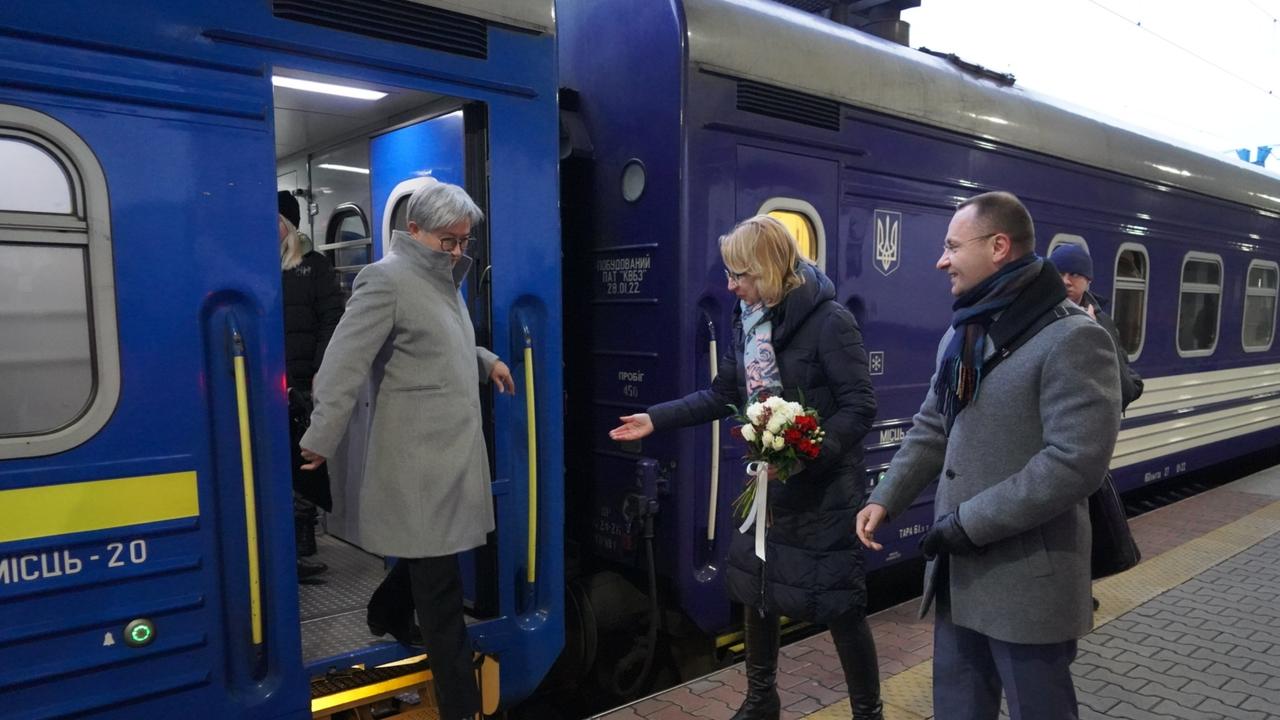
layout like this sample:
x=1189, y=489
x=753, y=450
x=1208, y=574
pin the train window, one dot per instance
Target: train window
x=400, y=215
x=59, y=363
x=1199, y=304
x=1066, y=239
x=347, y=239
x=1259, y=306
x=803, y=222
x=34, y=180
x=801, y=229
x=1129, y=298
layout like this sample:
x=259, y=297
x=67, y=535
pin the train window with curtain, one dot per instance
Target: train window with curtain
x=803, y=222
x=1259, y=306
x=59, y=365
x=1199, y=304
x=801, y=229
x=1129, y=298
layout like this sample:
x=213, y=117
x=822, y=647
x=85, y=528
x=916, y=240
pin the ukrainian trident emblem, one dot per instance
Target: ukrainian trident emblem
x=888, y=240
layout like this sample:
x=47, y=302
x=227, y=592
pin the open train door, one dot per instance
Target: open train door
x=447, y=148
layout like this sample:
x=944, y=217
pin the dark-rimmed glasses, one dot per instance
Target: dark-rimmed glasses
x=449, y=242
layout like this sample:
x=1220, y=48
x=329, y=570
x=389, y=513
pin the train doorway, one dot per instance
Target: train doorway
x=351, y=153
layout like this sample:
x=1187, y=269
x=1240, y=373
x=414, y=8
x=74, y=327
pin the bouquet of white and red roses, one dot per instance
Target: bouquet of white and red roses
x=780, y=435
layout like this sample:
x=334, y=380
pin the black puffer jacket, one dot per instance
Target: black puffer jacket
x=313, y=304
x=815, y=566
x=1131, y=384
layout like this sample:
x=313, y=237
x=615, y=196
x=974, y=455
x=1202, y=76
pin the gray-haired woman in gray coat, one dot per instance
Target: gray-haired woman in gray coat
x=425, y=493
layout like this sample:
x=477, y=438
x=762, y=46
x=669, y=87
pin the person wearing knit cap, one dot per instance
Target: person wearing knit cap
x=1076, y=267
x=288, y=205
x=313, y=303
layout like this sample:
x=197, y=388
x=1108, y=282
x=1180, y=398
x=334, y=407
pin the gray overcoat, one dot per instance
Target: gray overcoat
x=1019, y=465
x=425, y=487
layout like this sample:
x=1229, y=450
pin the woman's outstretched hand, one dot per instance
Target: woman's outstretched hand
x=633, y=427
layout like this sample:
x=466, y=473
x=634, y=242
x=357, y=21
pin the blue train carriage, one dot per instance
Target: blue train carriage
x=146, y=542
x=864, y=148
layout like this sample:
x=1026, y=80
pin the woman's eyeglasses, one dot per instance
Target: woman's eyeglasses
x=448, y=242
x=735, y=277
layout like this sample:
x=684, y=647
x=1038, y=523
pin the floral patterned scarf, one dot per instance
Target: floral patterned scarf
x=763, y=378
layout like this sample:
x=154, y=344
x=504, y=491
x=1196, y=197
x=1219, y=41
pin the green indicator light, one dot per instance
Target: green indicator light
x=139, y=632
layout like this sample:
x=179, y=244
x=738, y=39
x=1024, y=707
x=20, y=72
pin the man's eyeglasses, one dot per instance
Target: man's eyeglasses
x=449, y=242
x=735, y=277
x=951, y=247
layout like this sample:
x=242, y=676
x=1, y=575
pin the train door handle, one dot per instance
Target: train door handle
x=236, y=346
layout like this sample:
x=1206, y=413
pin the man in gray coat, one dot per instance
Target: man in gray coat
x=425, y=493
x=1016, y=454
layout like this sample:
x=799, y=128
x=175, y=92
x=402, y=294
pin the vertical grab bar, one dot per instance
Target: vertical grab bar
x=531, y=572
x=246, y=468
x=713, y=357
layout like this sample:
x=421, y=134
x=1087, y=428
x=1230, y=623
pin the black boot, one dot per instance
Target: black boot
x=761, y=634
x=308, y=570
x=305, y=518
x=857, y=650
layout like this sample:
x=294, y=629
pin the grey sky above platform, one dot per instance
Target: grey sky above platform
x=1205, y=77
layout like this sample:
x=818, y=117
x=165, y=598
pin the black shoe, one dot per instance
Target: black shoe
x=310, y=568
x=410, y=635
x=762, y=638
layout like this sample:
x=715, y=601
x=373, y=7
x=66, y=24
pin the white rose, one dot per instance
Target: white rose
x=766, y=439
x=748, y=433
x=774, y=402
x=754, y=412
x=794, y=410
x=779, y=443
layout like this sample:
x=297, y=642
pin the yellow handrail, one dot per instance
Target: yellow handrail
x=715, y=457
x=531, y=573
x=250, y=502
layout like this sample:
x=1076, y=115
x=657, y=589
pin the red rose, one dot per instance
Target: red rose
x=736, y=431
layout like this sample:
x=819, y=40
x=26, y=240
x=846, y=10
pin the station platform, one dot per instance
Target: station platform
x=1192, y=633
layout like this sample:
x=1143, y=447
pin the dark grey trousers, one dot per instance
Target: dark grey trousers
x=437, y=596
x=971, y=669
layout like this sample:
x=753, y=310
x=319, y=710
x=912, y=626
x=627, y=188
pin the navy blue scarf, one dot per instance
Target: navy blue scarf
x=960, y=372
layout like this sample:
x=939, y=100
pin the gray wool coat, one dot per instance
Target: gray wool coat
x=425, y=486
x=1019, y=466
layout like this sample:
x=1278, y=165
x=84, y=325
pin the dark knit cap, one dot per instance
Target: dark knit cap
x=288, y=206
x=1072, y=259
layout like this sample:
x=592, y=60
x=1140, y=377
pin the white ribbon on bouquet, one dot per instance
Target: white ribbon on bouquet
x=759, y=505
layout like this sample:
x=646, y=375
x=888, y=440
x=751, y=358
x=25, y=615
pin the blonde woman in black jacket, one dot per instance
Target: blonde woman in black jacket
x=798, y=342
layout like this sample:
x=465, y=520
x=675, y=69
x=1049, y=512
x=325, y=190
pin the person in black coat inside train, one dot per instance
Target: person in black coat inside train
x=1076, y=268
x=814, y=566
x=313, y=304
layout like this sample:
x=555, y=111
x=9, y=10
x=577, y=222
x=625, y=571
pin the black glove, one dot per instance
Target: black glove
x=947, y=537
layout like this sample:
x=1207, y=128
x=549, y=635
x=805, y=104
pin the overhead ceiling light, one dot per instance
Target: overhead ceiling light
x=344, y=168
x=327, y=88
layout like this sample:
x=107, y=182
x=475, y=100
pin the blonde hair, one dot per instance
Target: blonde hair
x=291, y=246
x=762, y=247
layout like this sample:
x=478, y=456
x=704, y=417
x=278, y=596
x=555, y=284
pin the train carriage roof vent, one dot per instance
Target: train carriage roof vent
x=790, y=105
x=401, y=21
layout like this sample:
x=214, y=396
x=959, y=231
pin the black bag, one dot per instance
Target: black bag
x=1114, y=549
x=312, y=485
